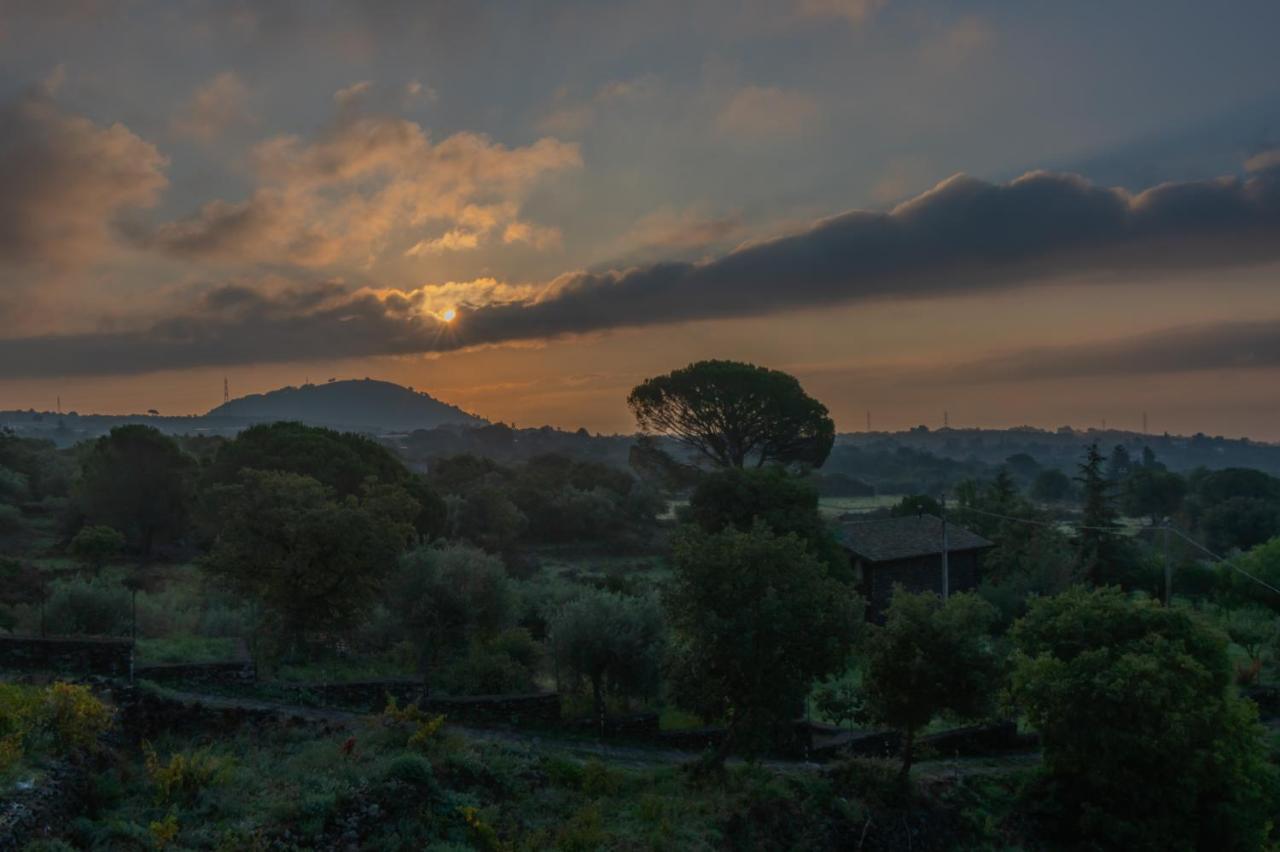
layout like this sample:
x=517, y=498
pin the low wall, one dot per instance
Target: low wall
x=995, y=738
x=79, y=655
x=541, y=708
x=229, y=672
x=144, y=714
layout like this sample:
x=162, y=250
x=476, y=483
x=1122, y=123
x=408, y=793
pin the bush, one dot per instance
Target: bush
x=60, y=719
x=89, y=609
x=1146, y=743
x=185, y=774
x=413, y=770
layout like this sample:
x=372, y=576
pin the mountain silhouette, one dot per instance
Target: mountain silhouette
x=356, y=404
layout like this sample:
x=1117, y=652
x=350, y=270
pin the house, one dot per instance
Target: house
x=908, y=550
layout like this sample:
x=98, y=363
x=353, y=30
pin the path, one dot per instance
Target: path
x=631, y=756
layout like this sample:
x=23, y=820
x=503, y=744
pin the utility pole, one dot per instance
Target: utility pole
x=946, y=566
x=946, y=419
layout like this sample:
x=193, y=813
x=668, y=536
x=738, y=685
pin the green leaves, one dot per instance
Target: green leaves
x=732, y=413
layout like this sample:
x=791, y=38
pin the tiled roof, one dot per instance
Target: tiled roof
x=887, y=539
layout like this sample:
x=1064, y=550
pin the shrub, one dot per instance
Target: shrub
x=185, y=774
x=73, y=716
x=413, y=770
x=89, y=609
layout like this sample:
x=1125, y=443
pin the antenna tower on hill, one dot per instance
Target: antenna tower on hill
x=226, y=391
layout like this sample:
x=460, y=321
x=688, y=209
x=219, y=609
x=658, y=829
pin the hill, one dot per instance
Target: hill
x=357, y=404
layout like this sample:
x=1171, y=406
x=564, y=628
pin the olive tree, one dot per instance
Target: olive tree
x=615, y=641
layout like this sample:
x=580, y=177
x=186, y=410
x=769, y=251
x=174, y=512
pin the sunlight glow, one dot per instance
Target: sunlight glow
x=448, y=314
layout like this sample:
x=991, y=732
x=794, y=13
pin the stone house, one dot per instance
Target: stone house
x=888, y=551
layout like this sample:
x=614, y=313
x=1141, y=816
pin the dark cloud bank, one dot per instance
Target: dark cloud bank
x=963, y=237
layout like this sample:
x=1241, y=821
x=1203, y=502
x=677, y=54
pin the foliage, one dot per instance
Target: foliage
x=1250, y=627
x=138, y=481
x=1146, y=744
x=96, y=545
x=1261, y=562
x=915, y=504
x=930, y=657
x=185, y=774
x=614, y=641
x=446, y=597
x=1051, y=485
x=313, y=562
x=346, y=463
x=1103, y=556
x=1153, y=493
x=732, y=413
x=786, y=504
x=88, y=608
x=756, y=619
x=61, y=719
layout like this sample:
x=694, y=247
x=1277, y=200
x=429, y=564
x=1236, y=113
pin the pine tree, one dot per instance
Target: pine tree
x=1100, y=550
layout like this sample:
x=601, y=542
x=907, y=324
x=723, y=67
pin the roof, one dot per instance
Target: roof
x=888, y=539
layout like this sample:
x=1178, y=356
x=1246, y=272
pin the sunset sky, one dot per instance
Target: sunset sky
x=1020, y=213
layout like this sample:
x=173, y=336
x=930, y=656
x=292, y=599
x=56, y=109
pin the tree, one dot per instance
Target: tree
x=615, y=641
x=313, y=562
x=1051, y=486
x=1101, y=553
x=344, y=462
x=137, y=480
x=1119, y=464
x=1146, y=744
x=1153, y=492
x=446, y=597
x=1239, y=523
x=1250, y=627
x=929, y=657
x=756, y=619
x=916, y=504
x=1262, y=562
x=97, y=545
x=733, y=413
x=786, y=504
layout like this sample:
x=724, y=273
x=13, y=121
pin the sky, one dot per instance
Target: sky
x=1035, y=213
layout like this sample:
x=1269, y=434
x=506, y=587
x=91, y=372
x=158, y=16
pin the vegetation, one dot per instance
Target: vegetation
x=756, y=619
x=731, y=413
x=930, y=657
x=1146, y=744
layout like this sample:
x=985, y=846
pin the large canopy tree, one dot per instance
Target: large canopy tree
x=734, y=414
x=312, y=561
x=138, y=481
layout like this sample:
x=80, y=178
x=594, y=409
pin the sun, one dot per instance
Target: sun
x=448, y=315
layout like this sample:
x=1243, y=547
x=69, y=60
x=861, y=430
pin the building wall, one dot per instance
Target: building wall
x=920, y=574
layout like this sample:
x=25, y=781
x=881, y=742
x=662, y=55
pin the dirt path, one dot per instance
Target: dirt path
x=582, y=749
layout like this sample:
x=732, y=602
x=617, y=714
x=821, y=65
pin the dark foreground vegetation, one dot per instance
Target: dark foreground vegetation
x=693, y=616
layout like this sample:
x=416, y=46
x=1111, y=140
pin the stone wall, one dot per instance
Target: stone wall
x=230, y=672
x=80, y=656
x=541, y=708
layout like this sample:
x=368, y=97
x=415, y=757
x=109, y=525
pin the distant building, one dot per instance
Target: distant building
x=888, y=551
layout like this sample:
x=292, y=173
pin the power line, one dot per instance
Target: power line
x=1167, y=526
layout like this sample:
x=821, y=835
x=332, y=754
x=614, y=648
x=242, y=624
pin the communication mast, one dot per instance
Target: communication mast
x=226, y=391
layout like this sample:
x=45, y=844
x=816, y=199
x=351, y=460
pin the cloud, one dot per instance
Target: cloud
x=570, y=117
x=964, y=236
x=365, y=186
x=66, y=180
x=766, y=112
x=1182, y=349
x=214, y=108
x=853, y=11
x=676, y=230
x=968, y=37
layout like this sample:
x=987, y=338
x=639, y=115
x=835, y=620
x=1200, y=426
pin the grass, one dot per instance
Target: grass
x=187, y=649
x=834, y=506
